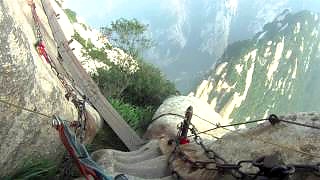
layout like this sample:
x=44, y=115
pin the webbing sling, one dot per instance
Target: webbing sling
x=79, y=153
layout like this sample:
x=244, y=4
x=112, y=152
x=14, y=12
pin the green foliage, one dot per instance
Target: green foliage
x=111, y=82
x=149, y=87
x=137, y=117
x=40, y=169
x=98, y=54
x=283, y=93
x=84, y=26
x=106, y=138
x=236, y=48
x=135, y=96
x=71, y=15
x=128, y=35
x=146, y=87
x=91, y=50
x=80, y=39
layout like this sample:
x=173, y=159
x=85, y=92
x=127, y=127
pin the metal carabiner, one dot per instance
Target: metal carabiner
x=56, y=121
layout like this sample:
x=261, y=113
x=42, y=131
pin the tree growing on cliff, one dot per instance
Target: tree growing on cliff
x=149, y=87
x=129, y=35
x=137, y=96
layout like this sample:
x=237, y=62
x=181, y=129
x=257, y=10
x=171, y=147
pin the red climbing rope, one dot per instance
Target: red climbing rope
x=40, y=43
x=86, y=165
x=83, y=169
x=42, y=51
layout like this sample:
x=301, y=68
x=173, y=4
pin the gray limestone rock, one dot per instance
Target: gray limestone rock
x=203, y=118
x=28, y=81
x=295, y=144
x=290, y=143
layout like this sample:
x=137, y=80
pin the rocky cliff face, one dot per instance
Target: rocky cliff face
x=274, y=72
x=84, y=41
x=27, y=80
x=193, y=36
x=172, y=112
x=253, y=15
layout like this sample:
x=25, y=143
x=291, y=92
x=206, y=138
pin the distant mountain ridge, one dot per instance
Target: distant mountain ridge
x=194, y=37
x=275, y=72
x=191, y=35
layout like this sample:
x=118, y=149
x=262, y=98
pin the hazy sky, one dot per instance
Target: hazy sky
x=101, y=12
x=93, y=12
x=97, y=11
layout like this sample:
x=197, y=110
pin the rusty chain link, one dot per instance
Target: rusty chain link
x=67, y=82
x=275, y=170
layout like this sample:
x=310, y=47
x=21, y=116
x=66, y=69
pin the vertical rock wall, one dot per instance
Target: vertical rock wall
x=27, y=80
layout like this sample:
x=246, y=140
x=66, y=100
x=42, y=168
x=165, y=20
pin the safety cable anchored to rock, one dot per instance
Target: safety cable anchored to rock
x=25, y=109
x=273, y=119
x=80, y=124
x=31, y=111
x=218, y=126
x=276, y=169
x=168, y=114
x=276, y=120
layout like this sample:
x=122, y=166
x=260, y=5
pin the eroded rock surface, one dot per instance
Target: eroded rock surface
x=167, y=125
x=27, y=80
x=265, y=138
x=293, y=144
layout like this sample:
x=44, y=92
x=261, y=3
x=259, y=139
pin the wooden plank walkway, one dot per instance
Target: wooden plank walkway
x=88, y=86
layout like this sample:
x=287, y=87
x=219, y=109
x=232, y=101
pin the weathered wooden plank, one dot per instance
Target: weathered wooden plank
x=88, y=86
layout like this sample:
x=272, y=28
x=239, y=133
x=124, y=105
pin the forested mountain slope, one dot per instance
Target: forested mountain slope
x=275, y=72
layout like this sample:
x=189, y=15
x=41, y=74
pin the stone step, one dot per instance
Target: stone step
x=108, y=155
x=124, y=158
x=146, y=163
x=139, y=178
x=152, y=168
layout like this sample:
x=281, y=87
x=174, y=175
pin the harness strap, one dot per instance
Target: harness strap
x=84, y=171
x=79, y=153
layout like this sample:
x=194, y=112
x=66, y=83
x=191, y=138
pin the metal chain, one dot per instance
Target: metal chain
x=80, y=125
x=216, y=163
x=300, y=124
x=209, y=153
x=83, y=119
x=177, y=153
x=220, y=163
x=273, y=119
